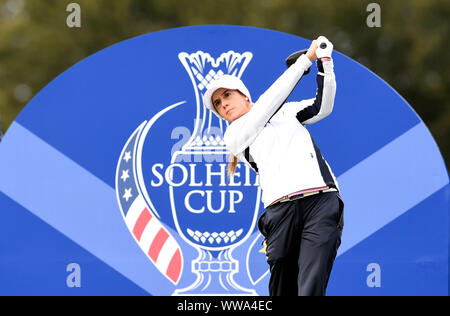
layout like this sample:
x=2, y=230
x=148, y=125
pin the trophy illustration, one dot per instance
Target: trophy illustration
x=212, y=213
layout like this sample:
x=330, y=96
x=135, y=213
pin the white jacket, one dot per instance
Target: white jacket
x=273, y=140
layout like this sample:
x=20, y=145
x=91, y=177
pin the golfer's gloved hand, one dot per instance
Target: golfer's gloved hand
x=324, y=47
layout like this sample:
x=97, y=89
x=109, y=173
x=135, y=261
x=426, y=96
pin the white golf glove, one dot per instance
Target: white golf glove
x=324, y=47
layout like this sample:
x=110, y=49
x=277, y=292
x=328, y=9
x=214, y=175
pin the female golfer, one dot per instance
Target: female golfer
x=303, y=219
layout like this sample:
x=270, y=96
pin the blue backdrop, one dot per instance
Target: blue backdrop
x=59, y=162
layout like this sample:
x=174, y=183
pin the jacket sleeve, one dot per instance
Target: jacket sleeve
x=242, y=132
x=313, y=110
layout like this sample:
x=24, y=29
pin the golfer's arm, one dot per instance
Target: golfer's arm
x=240, y=136
x=313, y=110
x=271, y=100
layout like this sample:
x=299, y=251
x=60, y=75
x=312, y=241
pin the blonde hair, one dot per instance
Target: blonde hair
x=232, y=165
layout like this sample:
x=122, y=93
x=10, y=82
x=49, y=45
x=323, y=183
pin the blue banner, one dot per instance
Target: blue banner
x=113, y=178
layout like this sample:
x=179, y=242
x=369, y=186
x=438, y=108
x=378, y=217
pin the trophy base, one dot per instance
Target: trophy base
x=215, y=277
x=214, y=284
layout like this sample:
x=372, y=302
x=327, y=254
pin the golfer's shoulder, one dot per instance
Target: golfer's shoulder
x=232, y=135
x=236, y=135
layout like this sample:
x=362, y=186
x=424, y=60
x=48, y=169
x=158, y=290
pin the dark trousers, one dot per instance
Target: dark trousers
x=302, y=238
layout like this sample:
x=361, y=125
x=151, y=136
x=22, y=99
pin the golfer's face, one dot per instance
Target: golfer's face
x=231, y=104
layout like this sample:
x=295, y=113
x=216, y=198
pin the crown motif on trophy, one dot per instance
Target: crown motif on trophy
x=203, y=69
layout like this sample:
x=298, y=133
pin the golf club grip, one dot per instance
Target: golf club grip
x=292, y=58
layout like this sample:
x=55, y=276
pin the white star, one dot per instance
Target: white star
x=127, y=156
x=127, y=194
x=125, y=175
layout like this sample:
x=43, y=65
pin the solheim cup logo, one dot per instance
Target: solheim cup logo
x=211, y=212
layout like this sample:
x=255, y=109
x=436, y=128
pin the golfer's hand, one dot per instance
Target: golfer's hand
x=325, y=48
x=311, y=53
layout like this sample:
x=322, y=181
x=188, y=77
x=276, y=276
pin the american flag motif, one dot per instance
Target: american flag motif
x=151, y=235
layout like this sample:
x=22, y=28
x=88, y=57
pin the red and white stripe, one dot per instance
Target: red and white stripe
x=155, y=240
